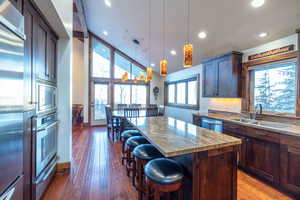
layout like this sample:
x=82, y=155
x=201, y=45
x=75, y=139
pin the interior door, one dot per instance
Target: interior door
x=99, y=99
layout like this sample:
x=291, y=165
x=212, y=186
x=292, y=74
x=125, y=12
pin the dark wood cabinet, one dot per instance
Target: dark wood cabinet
x=269, y=155
x=209, y=79
x=18, y=4
x=290, y=162
x=45, y=54
x=222, y=76
x=262, y=158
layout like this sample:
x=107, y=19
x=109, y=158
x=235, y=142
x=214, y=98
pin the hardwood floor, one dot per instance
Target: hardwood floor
x=97, y=173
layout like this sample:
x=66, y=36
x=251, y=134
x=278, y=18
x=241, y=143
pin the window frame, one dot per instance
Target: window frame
x=130, y=84
x=248, y=79
x=111, y=81
x=252, y=85
x=186, y=81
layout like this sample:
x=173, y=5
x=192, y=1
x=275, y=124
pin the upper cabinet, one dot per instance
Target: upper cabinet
x=45, y=55
x=222, y=76
x=18, y=4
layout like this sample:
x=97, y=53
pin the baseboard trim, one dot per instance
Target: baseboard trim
x=63, y=168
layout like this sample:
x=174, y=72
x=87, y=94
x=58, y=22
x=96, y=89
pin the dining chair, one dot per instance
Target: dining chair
x=122, y=106
x=152, y=111
x=131, y=112
x=113, y=125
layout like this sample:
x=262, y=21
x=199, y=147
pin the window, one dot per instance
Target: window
x=101, y=60
x=180, y=90
x=130, y=94
x=122, y=94
x=122, y=65
x=139, y=94
x=171, y=94
x=274, y=87
x=183, y=93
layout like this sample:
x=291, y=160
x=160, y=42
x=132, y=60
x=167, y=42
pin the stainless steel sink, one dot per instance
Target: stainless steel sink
x=250, y=121
x=271, y=124
x=261, y=123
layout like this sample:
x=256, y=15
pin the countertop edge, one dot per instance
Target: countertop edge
x=276, y=130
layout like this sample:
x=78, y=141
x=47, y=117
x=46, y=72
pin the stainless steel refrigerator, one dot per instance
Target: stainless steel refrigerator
x=11, y=101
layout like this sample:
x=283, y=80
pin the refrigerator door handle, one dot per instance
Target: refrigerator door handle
x=8, y=195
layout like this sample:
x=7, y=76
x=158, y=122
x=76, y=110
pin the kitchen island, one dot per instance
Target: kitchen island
x=209, y=158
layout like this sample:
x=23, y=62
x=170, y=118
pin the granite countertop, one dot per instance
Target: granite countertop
x=281, y=128
x=174, y=137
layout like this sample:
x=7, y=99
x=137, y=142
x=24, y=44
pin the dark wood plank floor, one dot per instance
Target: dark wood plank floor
x=97, y=173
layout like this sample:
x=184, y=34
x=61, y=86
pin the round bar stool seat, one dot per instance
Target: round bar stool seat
x=125, y=135
x=164, y=175
x=143, y=154
x=129, y=133
x=130, y=144
x=146, y=152
x=134, y=141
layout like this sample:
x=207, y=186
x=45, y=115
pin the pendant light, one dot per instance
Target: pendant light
x=125, y=77
x=149, y=68
x=141, y=76
x=164, y=62
x=188, y=48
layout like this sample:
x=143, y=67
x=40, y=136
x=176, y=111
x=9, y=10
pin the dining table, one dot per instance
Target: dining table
x=209, y=158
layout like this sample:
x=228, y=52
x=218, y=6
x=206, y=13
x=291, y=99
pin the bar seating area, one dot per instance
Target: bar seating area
x=148, y=169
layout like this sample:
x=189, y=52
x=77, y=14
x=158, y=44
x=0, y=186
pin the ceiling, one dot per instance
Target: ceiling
x=229, y=24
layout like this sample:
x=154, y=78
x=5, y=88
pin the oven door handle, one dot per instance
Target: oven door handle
x=46, y=176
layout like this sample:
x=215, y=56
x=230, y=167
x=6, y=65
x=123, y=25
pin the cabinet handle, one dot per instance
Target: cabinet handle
x=33, y=102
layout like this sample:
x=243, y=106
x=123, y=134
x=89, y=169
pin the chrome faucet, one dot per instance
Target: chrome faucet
x=260, y=109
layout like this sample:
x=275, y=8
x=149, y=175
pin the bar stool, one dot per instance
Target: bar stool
x=164, y=176
x=143, y=154
x=130, y=144
x=124, y=137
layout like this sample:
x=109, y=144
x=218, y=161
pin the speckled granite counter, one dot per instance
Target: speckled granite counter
x=175, y=137
x=287, y=129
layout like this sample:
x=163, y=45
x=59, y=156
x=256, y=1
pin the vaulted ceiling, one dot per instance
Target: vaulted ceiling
x=229, y=24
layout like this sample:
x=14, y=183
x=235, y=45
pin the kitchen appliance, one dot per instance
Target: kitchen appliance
x=11, y=101
x=46, y=94
x=45, y=154
x=212, y=124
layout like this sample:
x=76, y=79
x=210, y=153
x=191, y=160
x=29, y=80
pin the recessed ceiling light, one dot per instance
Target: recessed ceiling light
x=107, y=3
x=202, y=35
x=257, y=3
x=173, y=52
x=263, y=34
x=152, y=65
x=105, y=33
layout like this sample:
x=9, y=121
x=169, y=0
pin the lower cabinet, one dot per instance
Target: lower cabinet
x=289, y=164
x=262, y=158
x=269, y=155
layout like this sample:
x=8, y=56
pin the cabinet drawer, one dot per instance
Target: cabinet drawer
x=290, y=140
x=251, y=132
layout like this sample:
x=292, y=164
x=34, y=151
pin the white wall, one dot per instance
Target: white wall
x=78, y=72
x=59, y=14
x=223, y=104
x=80, y=76
x=157, y=81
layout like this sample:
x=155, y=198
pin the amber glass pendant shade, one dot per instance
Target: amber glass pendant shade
x=141, y=76
x=135, y=79
x=163, y=67
x=149, y=73
x=188, y=55
x=125, y=77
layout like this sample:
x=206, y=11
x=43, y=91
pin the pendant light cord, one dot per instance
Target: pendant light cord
x=149, y=29
x=164, y=28
x=188, y=22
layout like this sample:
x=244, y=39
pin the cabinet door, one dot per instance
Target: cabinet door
x=41, y=52
x=263, y=159
x=290, y=173
x=209, y=79
x=18, y=4
x=226, y=82
x=51, y=59
x=242, y=150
